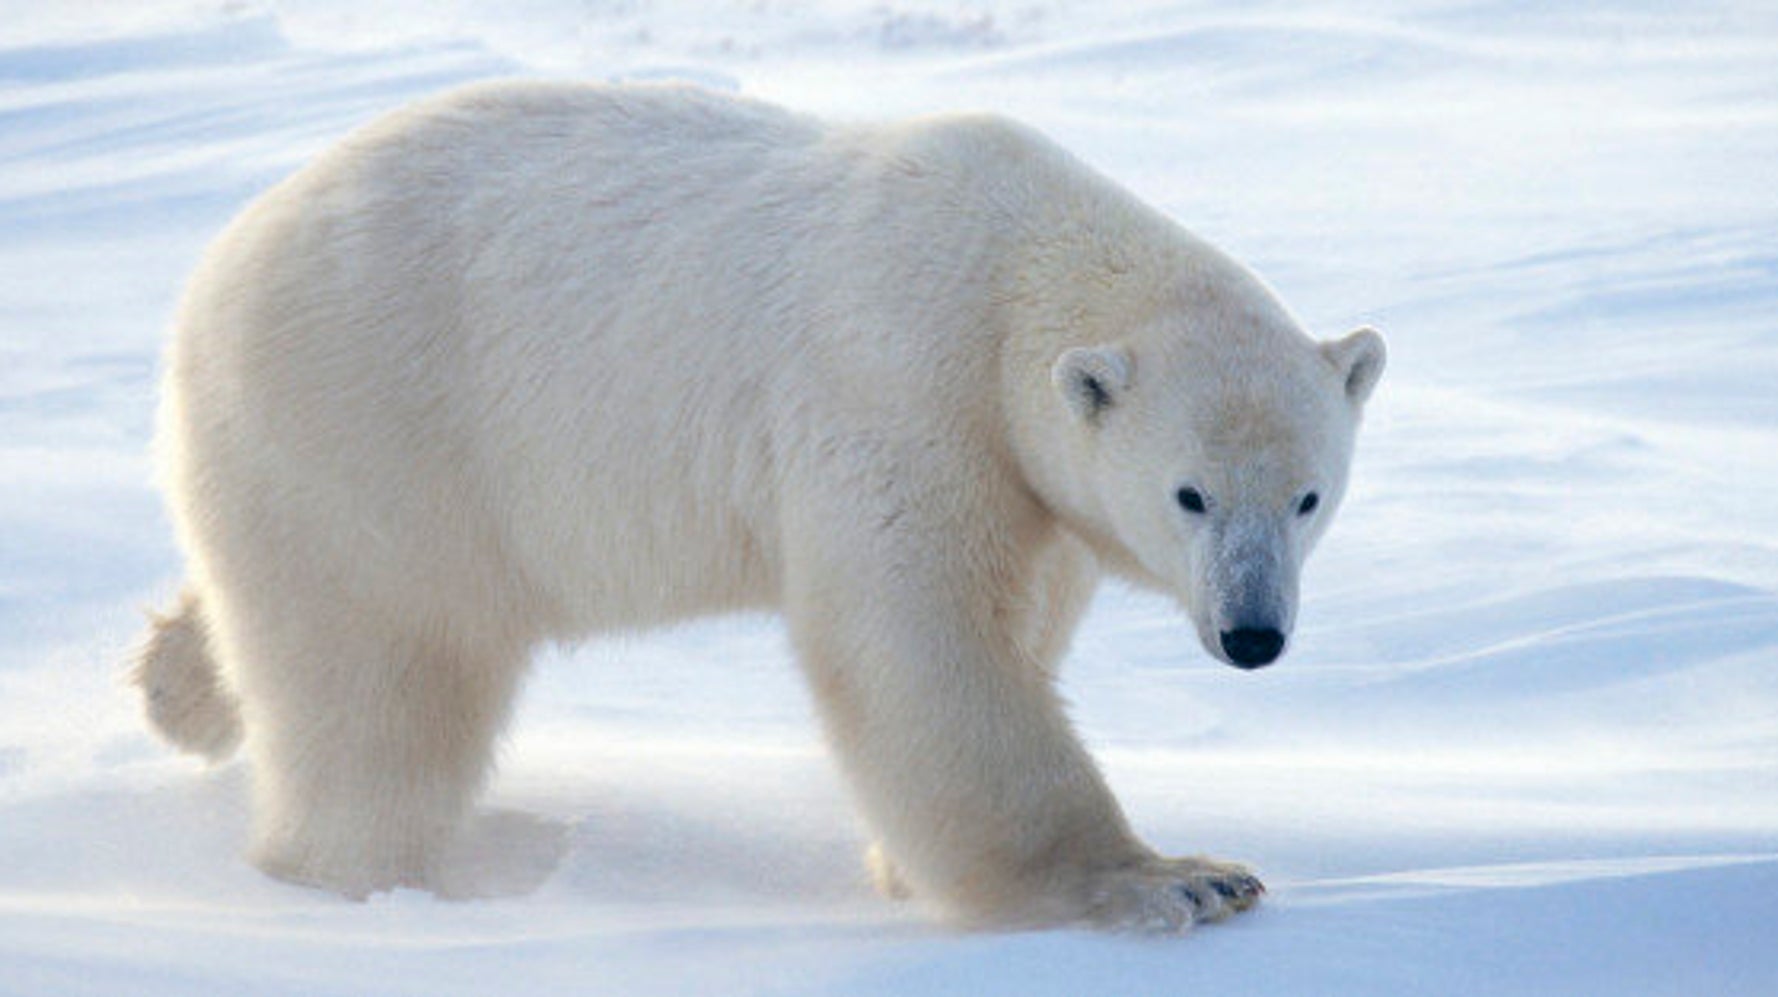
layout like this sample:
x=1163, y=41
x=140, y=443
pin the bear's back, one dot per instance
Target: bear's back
x=536, y=116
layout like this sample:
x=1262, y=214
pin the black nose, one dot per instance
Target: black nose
x=1252, y=647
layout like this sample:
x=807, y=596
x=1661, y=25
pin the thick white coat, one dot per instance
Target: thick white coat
x=532, y=362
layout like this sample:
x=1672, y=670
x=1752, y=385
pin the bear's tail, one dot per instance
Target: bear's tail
x=185, y=696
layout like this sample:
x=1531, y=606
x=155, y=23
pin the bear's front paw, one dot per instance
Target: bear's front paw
x=1161, y=896
x=884, y=875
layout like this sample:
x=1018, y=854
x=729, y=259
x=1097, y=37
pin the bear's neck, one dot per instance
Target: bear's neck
x=1087, y=264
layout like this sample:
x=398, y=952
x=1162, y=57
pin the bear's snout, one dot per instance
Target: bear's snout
x=1252, y=647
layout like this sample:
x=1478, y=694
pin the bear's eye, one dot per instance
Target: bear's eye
x=1191, y=500
x=1308, y=504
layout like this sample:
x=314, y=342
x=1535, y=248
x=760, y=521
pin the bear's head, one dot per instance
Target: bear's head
x=1204, y=454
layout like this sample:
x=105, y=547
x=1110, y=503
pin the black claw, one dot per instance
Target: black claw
x=1227, y=891
x=1191, y=895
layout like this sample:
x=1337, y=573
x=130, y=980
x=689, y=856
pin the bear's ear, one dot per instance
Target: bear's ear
x=1358, y=358
x=1091, y=378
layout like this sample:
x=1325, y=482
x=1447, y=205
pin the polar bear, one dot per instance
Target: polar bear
x=529, y=362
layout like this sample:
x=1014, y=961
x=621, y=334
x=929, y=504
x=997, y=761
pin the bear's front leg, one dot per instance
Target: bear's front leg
x=961, y=757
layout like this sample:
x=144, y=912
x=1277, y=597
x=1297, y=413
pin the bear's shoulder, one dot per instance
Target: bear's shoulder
x=970, y=139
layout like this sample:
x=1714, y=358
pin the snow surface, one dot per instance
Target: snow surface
x=1527, y=741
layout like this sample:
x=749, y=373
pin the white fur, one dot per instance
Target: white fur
x=531, y=362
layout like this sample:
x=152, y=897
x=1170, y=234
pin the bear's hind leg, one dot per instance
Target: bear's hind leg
x=367, y=746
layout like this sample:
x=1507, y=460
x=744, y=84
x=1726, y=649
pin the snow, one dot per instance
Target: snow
x=1527, y=739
